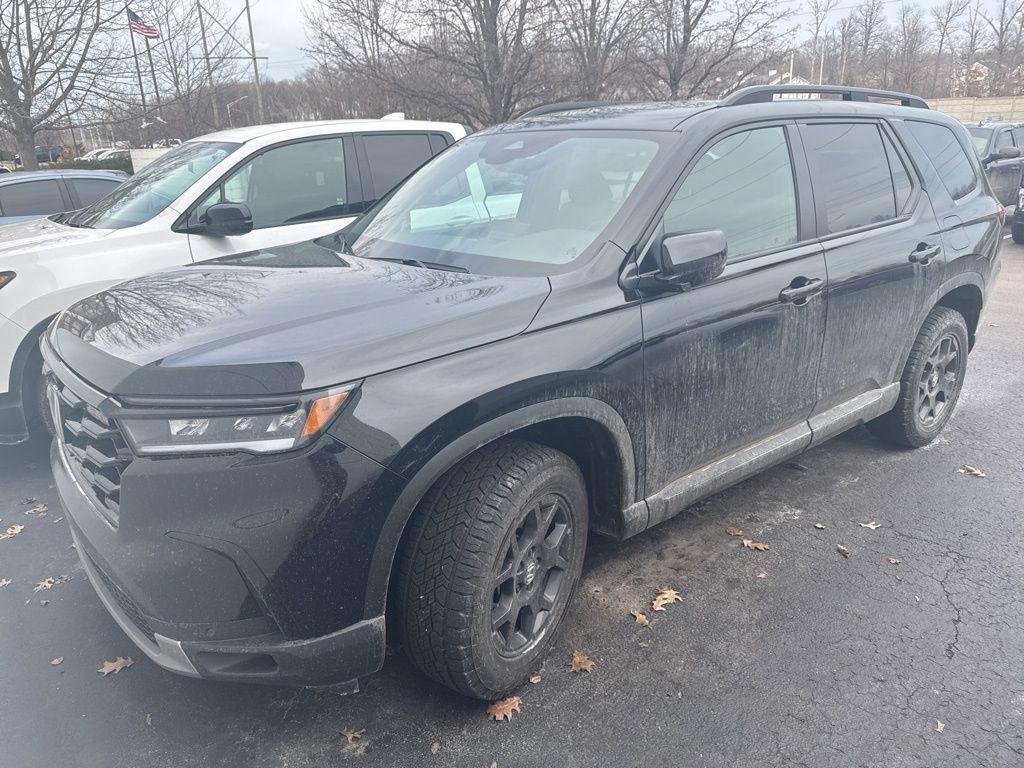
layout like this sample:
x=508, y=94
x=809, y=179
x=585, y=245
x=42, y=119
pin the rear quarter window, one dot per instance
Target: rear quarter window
x=947, y=155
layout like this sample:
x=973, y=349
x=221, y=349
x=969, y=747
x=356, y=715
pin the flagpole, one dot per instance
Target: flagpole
x=152, y=72
x=138, y=70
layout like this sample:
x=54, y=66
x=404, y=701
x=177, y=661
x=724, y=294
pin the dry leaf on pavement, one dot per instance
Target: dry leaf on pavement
x=39, y=510
x=581, y=662
x=759, y=546
x=640, y=618
x=5, y=582
x=149, y=718
x=842, y=550
x=967, y=469
x=115, y=666
x=663, y=598
x=534, y=679
x=435, y=747
x=820, y=526
x=761, y=575
x=893, y=561
x=351, y=737
x=58, y=660
x=46, y=583
x=872, y=525
x=502, y=710
x=733, y=531
x=939, y=726
x=11, y=532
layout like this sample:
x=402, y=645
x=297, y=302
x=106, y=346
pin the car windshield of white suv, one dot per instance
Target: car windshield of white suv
x=152, y=189
x=509, y=203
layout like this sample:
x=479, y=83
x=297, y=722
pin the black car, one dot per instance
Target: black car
x=583, y=320
x=1000, y=145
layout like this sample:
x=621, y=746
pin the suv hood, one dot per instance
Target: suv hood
x=283, y=320
x=22, y=236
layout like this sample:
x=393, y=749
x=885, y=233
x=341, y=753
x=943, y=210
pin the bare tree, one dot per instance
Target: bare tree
x=56, y=59
x=596, y=33
x=944, y=18
x=909, y=44
x=1004, y=26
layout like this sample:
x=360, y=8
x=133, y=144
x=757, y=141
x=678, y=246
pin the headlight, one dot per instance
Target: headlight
x=263, y=429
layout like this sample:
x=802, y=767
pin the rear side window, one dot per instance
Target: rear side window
x=743, y=185
x=393, y=157
x=1003, y=139
x=947, y=155
x=32, y=198
x=850, y=172
x=91, y=190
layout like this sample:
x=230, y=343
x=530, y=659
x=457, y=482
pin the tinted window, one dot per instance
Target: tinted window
x=394, y=157
x=1018, y=136
x=31, y=198
x=979, y=138
x=91, y=190
x=901, y=183
x=947, y=155
x=1003, y=139
x=289, y=184
x=743, y=186
x=852, y=184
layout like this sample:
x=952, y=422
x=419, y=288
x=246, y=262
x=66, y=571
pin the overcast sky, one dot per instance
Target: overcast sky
x=280, y=35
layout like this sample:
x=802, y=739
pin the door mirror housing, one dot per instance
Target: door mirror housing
x=692, y=258
x=225, y=220
x=1003, y=153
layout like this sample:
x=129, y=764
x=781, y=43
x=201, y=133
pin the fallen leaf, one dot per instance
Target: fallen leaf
x=967, y=469
x=5, y=582
x=940, y=726
x=733, y=531
x=640, y=618
x=762, y=575
x=39, y=510
x=115, y=666
x=535, y=679
x=993, y=325
x=759, y=546
x=893, y=561
x=494, y=764
x=46, y=583
x=644, y=645
x=581, y=662
x=663, y=598
x=820, y=526
x=149, y=719
x=11, y=532
x=58, y=660
x=351, y=737
x=502, y=710
x=842, y=550
x=435, y=747
x=872, y=525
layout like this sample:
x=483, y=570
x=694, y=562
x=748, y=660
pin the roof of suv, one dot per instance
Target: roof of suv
x=68, y=173
x=317, y=127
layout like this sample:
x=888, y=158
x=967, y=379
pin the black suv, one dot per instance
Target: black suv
x=586, y=319
x=1000, y=145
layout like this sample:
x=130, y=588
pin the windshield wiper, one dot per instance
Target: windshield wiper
x=422, y=264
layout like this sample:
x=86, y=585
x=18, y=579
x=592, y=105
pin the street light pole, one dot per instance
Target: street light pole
x=255, y=68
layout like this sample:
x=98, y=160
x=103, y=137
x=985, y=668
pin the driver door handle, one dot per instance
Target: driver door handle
x=924, y=253
x=800, y=290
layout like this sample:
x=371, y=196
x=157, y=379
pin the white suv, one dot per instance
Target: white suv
x=229, y=192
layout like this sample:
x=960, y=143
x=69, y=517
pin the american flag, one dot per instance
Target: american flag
x=139, y=27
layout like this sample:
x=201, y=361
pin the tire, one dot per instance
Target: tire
x=37, y=408
x=929, y=388
x=471, y=555
x=1017, y=233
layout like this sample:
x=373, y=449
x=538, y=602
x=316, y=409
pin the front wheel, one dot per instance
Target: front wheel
x=34, y=399
x=931, y=382
x=1017, y=233
x=489, y=566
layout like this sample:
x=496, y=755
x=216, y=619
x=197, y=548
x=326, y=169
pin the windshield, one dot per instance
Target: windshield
x=509, y=203
x=979, y=137
x=156, y=186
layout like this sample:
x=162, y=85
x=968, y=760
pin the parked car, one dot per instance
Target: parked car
x=265, y=457
x=114, y=154
x=1000, y=145
x=225, y=193
x=33, y=194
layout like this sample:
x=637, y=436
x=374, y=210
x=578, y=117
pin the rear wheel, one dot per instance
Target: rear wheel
x=1017, y=233
x=490, y=565
x=931, y=382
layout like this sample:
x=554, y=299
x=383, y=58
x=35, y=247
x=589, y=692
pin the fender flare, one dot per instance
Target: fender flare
x=28, y=344
x=386, y=548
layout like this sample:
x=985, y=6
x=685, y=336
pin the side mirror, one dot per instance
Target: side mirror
x=1003, y=153
x=693, y=258
x=226, y=220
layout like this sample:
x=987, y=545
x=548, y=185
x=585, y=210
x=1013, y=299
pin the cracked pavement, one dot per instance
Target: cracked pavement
x=826, y=661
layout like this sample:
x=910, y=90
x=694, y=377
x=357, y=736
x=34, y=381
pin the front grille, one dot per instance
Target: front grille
x=95, y=449
x=130, y=608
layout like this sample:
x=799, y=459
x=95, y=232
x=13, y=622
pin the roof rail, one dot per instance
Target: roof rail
x=759, y=94
x=564, y=106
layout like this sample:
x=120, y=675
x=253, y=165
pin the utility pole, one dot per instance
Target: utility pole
x=152, y=72
x=138, y=70
x=255, y=68
x=209, y=68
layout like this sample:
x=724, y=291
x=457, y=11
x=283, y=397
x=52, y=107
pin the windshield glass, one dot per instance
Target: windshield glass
x=509, y=203
x=156, y=186
x=979, y=137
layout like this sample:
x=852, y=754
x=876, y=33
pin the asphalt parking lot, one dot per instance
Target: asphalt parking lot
x=825, y=660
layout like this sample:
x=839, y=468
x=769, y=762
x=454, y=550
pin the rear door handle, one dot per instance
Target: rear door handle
x=800, y=290
x=924, y=253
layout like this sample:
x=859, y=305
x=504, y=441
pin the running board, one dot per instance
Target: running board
x=748, y=461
